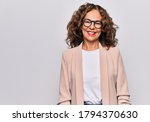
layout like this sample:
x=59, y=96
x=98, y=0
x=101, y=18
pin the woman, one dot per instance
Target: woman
x=92, y=71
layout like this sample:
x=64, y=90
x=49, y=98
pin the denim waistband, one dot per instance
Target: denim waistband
x=90, y=103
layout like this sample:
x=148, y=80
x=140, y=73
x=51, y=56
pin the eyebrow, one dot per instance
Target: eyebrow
x=92, y=20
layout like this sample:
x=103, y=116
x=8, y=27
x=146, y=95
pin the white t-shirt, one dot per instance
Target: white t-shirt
x=91, y=75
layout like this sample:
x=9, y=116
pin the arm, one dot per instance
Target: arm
x=64, y=90
x=122, y=83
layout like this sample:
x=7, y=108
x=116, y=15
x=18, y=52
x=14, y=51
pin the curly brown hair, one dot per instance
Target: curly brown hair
x=75, y=36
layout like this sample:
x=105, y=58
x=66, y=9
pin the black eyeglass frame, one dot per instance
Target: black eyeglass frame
x=92, y=21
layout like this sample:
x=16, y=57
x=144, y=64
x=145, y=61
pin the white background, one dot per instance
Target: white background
x=32, y=38
x=107, y=113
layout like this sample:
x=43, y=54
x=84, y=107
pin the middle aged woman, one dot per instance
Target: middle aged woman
x=92, y=71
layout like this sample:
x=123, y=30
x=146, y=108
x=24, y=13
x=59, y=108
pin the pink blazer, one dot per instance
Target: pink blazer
x=114, y=86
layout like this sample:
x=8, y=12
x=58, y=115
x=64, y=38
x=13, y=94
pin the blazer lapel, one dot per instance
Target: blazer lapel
x=79, y=76
x=104, y=75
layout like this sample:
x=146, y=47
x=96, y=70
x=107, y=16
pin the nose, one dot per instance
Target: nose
x=92, y=25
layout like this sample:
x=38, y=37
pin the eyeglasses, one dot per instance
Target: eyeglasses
x=88, y=23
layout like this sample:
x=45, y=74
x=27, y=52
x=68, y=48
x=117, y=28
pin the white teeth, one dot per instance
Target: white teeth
x=89, y=32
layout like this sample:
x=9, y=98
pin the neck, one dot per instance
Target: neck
x=90, y=45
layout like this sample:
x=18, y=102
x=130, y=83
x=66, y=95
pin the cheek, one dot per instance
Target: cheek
x=84, y=31
x=99, y=32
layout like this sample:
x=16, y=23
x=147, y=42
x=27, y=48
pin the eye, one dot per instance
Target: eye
x=98, y=22
x=87, y=21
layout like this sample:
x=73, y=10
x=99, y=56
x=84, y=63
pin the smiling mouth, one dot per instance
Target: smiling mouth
x=91, y=33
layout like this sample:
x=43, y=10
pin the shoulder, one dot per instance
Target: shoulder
x=69, y=53
x=114, y=50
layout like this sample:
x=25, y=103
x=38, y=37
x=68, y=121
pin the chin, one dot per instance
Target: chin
x=92, y=39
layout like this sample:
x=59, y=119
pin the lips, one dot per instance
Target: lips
x=91, y=33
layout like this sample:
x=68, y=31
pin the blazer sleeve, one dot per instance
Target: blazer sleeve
x=123, y=96
x=64, y=90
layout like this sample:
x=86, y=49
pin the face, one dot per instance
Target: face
x=91, y=27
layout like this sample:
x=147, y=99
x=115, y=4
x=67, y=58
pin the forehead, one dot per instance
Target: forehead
x=93, y=15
